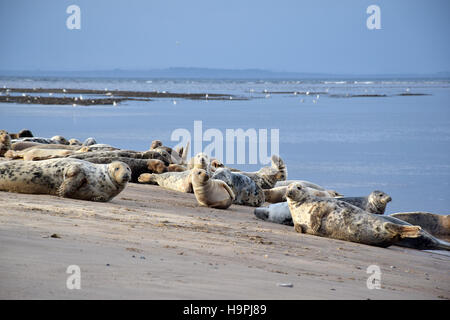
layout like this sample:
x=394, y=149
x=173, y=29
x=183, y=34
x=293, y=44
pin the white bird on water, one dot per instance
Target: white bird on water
x=114, y=103
x=307, y=93
x=174, y=102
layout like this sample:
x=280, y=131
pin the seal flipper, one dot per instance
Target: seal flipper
x=230, y=192
x=403, y=231
x=147, y=178
x=74, y=179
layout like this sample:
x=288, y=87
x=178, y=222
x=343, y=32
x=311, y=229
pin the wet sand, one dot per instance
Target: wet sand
x=152, y=243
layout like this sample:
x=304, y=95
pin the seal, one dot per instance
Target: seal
x=70, y=178
x=175, y=156
x=98, y=147
x=21, y=145
x=44, y=154
x=308, y=184
x=279, y=212
x=5, y=142
x=60, y=140
x=36, y=139
x=24, y=133
x=137, y=166
x=150, y=154
x=266, y=177
x=278, y=194
x=340, y=220
x=375, y=202
x=436, y=224
x=88, y=142
x=177, y=181
x=200, y=161
x=75, y=142
x=211, y=193
x=246, y=191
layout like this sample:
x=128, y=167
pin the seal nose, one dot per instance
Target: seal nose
x=389, y=199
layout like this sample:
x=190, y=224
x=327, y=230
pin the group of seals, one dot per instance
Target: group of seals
x=98, y=172
x=70, y=178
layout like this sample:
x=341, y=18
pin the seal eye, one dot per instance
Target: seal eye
x=117, y=168
x=298, y=188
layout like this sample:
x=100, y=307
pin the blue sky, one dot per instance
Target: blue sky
x=323, y=36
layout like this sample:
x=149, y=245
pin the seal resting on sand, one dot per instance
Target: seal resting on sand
x=211, y=192
x=176, y=181
x=278, y=194
x=137, y=166
x=69, y=178
x=246, y=191
x=340, y=220
x=267, y=177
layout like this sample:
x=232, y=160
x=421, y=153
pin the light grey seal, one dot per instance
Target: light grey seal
x=70, y=178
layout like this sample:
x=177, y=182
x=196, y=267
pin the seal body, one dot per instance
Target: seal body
x=177, y=181
x=340, y=220
x=211, y=192
x=267, y=177
x=70, y=178
x=5, y=142
x=436, y=224
x=278, y=194
x=375, y=202
x=246, y=191
x=137, y=166
x=122, y=153
x=277, y=213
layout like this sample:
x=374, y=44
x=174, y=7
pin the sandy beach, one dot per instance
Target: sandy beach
x=152, y=243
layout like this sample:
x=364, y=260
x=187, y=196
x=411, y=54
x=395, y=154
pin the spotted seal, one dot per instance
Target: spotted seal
x=278, y=194
x=137, y=166
x=340, y=220
x=246, y=191
x=267, y=177
x=70, y=178
x=375, y=202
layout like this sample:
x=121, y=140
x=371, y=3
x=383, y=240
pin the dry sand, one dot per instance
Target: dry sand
x=151, y=243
